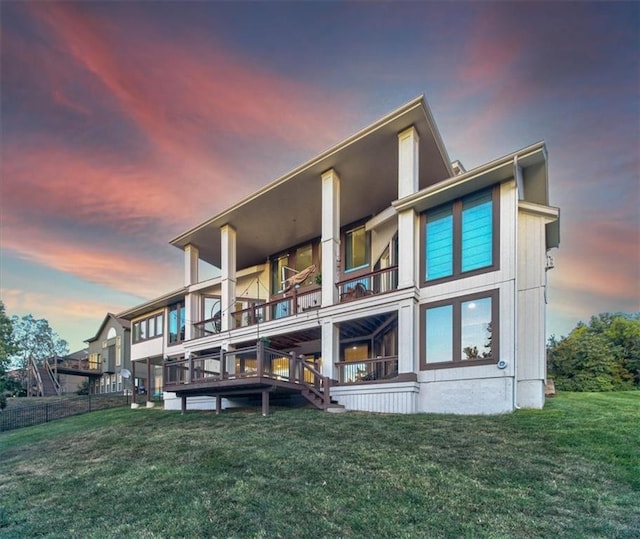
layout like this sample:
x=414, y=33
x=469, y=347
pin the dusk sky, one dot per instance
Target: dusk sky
x=126, y=123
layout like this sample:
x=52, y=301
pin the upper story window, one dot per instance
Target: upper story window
x=148, y=328
x=356, y=248
x=176, y=323
x=461, y=238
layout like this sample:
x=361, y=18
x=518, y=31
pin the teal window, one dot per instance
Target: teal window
x=439, y=246
x=461, y=237
x=477, y=232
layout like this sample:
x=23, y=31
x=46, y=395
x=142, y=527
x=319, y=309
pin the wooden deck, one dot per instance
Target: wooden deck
x=256, y=370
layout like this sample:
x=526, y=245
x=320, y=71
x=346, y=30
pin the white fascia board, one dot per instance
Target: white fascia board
x=550, y=213
x=492, y=172
x=381, y=218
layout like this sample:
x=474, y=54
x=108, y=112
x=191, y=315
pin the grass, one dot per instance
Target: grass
x=570, y=470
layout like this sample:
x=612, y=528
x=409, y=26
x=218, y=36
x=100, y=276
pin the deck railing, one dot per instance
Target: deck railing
x=367, y=370
x=259, y=361
x=370, y=284
x=210, y=326
x=79, y=364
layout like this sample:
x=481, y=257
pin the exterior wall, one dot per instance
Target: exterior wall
x=397, y=398
x=531, y=354
x=479, y=389
x=476, y=395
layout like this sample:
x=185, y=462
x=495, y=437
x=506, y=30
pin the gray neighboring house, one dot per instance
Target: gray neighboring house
x=110, y=348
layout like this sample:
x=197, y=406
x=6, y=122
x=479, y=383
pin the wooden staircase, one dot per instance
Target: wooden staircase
x=42, y=381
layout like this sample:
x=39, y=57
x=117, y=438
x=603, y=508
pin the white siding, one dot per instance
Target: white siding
x=396, y=398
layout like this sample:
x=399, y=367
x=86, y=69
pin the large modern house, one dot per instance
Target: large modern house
x=378, y=276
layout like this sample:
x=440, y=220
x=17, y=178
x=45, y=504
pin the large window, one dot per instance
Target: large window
x=461, y=238
x=356, y=248
x=460, y=331
x=148, y=328
x=176, y=323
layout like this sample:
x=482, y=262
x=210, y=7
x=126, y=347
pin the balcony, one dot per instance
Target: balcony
x=370, y=284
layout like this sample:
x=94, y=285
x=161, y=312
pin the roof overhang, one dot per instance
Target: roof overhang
x=529, y=163
x=288, y=211
x=110, y=316
x=156, y=303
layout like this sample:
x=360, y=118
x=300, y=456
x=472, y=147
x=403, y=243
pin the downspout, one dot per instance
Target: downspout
x=517, y=174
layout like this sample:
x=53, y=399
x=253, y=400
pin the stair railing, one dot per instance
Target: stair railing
x=319, y=385
x=36, y=374
x=52, y=375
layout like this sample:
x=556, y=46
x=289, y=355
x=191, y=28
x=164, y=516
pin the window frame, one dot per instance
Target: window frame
x=456, y=303
x=181, y=327
x=456, y=209
x=367, y=248
x=136, y=334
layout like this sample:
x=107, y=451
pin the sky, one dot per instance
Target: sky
x=126, y=123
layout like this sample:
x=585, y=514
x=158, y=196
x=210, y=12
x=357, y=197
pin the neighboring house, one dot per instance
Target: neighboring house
x=378, y=272
x=109, y=352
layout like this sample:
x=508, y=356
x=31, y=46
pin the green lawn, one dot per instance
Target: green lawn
x=571, y=470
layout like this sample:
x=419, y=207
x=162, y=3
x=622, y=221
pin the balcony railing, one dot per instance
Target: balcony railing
x=298, y=302
x=78, y=364
x=367, y=370
x=370, y=284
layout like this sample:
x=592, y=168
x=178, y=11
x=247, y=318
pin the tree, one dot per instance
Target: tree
x=7, y=349
x=36, y=340
x=601, y=356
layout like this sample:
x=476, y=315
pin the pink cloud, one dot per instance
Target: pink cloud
x=602, y=258
x=179, y=94
x=97, y=262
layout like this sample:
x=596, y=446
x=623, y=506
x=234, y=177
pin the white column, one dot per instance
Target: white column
x=407, y=248
x=408, y=162
x=330, y=236
x=407, y=337
x=228, y=275
x=330, y=348
x=191, y=257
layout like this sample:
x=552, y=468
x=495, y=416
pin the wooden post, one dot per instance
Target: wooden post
x=134, y=389
x=292, y=367
x=326, y=394
x=260, y=353
x=183, y=405
x=148, y=379
x=190, y=373
x=218, y=404
x=265, y=402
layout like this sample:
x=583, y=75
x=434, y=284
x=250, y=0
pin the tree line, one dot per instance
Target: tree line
x=601, y=355
x=23, y=339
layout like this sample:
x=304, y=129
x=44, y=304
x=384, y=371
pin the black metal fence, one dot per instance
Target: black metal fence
x=43, y=412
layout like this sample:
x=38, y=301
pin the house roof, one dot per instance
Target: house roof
x=126, y=324
x=529, y=168
x=151, y=305
x=288, y=211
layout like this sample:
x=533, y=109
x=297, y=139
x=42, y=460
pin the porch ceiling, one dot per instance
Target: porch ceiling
x=288, y=211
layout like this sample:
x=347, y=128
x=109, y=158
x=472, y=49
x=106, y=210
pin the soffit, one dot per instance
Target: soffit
x=289, y=210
